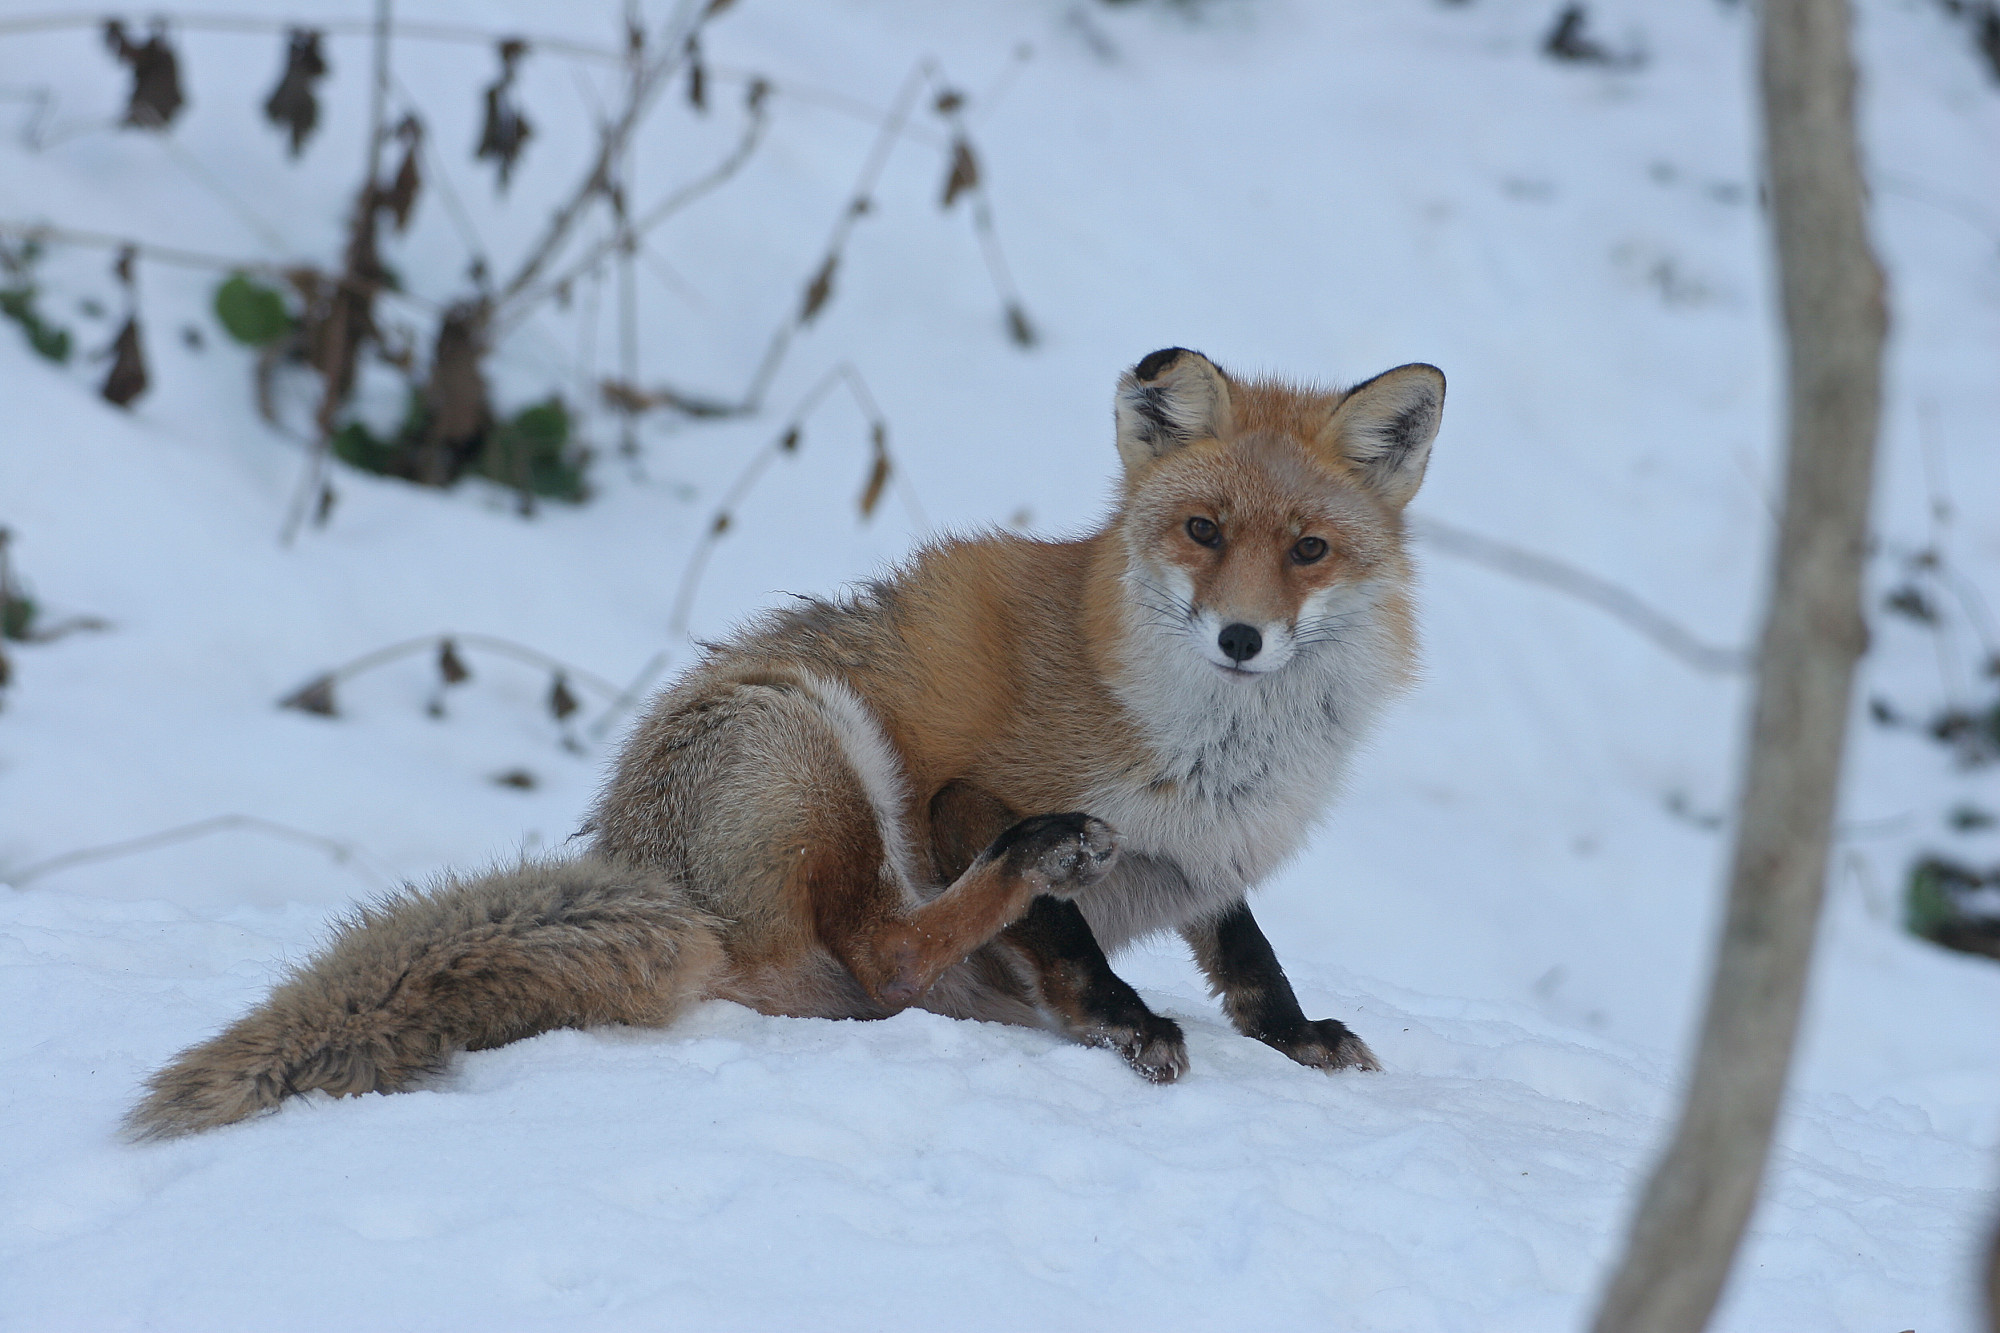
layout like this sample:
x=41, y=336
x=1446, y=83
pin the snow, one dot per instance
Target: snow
x=1506, y=906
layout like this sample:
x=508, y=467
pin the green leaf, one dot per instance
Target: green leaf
x=531, y=452
x=252, y=313
x=50, y=342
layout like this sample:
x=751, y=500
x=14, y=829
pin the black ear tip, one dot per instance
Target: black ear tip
x=1153, y=364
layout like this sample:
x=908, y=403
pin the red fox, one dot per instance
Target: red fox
x=959, y=788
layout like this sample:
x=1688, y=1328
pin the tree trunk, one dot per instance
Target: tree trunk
x=1695, y=1208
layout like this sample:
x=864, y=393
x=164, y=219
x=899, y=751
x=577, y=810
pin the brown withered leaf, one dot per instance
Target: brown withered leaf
x=401, y=196
x=315, y=697
x=450, y=665
x=561, y=702
x=293, y=105
x=1019, y=328
x=819, y=289
x=156, y=75
x=878, y=480
x=127, y=379
x=455, y=395
x=506, y=129
x=964, y=173
x=697, y=77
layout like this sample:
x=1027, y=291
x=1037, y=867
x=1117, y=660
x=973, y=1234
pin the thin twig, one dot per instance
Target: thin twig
x=156, y=254
x=819, y=287
x=429, y=32
x=753, y=134
x=343, y=853
x=351, y=304
x=1585, y=587
x=520, y=652
x=612, y=141
x=951, y=105
x=784, y=442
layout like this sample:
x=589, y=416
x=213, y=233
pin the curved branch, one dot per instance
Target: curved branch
x=1585, y=587
x=343, y=853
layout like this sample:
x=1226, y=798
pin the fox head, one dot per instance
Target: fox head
x=1261, y=519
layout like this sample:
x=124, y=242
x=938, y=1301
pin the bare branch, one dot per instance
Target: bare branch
x=1691, y=1219
x=1581, y=584
x=746, y=145
x=320, y=687
x=430, y=32
x=345, y=854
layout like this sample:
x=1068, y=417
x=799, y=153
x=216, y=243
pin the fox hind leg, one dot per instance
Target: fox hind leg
x=1074, y=987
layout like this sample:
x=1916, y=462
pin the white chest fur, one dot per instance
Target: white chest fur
x=1236, y=770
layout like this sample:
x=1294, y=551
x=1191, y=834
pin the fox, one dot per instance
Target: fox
x=961, y=786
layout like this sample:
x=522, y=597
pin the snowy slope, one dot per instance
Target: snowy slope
x=1507, y=905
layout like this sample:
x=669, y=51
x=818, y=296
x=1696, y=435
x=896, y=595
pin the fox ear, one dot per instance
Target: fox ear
x=1171, y=397
x=1385, y=428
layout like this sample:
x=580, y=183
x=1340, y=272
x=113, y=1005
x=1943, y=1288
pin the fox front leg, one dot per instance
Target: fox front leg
x=1243, y=972
x=1093, y=1004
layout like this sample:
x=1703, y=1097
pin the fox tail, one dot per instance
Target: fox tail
x=464, y=964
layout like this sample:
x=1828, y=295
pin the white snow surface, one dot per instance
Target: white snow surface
x=1506, y=905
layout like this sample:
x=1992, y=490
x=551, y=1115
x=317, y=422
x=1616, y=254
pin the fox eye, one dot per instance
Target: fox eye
x=1204, y=531
x=1308, y=549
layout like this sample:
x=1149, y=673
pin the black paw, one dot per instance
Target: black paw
x=1062, y=853
x=1327, y=1044
x=1154, y=1048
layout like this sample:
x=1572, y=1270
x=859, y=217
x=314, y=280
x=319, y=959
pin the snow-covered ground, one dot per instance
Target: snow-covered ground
x=1514, y=905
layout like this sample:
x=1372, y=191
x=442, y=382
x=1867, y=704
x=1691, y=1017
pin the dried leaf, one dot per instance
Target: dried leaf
x=127, y=379
x=1018, y=328
x=697, y=77
x=506, y=128
x=156, y=76
x=450, y=665
x=622, y=397
x=315, y=696
x=878, y=479
x=819, y=289
x=401, y=196
x=294, y=104
x=455, y=396
x=561, y=702
x=964, y=173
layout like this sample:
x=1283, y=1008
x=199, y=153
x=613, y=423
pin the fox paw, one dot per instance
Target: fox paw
x=1327, y=1044
x=1063, y=854
x=1155, y=1049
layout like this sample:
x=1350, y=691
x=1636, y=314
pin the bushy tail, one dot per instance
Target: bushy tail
x=462, y=965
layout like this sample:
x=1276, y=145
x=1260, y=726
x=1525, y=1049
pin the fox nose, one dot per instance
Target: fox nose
x=1240, y=642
